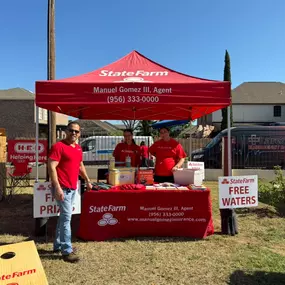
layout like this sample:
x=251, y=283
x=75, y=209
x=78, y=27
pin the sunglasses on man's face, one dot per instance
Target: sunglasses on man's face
x=73, y=131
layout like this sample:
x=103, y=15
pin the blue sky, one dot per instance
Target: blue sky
x=188, y=36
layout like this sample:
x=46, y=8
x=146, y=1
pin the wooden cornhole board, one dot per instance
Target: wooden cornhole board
x=25, y=268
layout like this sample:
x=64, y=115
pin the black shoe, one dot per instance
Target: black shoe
x=72, y=257
x=56, y=251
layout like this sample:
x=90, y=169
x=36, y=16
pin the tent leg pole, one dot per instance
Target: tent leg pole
x=229, y=222
x=190, y=147
x=229, y=142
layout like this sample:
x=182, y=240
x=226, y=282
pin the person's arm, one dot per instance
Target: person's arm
x=83, y=174
x=178, y=164
x=181, y=156
x=52, y=164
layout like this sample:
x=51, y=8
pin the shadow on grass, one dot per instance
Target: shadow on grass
x=257, y=278
x=17, y=219
x=264, y=212
x=146, y=238
x=49, y=254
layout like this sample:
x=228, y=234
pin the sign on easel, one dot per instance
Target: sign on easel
x=238, y=191
x=45, y=204
x=20, y=264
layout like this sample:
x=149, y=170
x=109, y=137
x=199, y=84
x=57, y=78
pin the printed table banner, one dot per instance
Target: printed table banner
x=128, y=213
x=44, y=203
x=238, y=191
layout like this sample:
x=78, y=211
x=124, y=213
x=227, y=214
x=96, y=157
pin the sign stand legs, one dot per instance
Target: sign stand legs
x=40, y=223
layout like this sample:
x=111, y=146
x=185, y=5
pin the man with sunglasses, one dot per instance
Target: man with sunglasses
x=65, y=165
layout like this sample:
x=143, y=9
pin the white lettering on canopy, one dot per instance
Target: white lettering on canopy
x=132, y=73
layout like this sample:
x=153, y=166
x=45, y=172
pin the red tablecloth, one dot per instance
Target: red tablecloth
x=116, y=214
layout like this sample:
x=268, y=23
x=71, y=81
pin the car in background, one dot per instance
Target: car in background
x=99, y=148
x=261, y=147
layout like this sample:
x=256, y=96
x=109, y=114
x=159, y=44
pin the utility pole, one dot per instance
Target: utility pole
x=41, y=223
x=51, y=68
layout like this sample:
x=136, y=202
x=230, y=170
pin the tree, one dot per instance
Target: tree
x=227, y=77
x=130, y=124
x=144, y=128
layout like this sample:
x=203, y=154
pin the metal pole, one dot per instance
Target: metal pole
x=190, y=147
x=229, y=142
x=41, y=223
x=37, y=144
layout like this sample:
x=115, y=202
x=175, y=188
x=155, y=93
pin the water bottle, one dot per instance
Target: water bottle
x=128, y=161
x=112, y=163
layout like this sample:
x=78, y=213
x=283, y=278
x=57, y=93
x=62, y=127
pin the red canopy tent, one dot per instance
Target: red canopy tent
x=134, y=87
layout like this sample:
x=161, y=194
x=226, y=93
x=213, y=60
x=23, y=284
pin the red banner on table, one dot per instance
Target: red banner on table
x=116, y=214
x=25, y=150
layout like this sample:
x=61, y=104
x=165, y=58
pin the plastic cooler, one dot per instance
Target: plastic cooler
x=187, y=176
x=121, y=176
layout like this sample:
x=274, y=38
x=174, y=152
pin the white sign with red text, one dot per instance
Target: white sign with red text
x=197, y=165
x=45, y=204
x=238, y=191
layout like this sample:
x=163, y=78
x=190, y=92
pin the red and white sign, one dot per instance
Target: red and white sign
x=25, y=150
x=197, y=165
x=238, y=191
x=45, y=204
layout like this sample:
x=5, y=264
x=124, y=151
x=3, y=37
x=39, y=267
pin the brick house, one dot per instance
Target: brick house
x=18, y=115
x=254, y=103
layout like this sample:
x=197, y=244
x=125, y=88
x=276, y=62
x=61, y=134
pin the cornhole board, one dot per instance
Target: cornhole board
x=20, y=264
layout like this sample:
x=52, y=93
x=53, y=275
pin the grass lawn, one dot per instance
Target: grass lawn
x=255, y=256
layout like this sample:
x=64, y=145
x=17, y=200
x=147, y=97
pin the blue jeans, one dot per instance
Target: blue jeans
x=63, y=228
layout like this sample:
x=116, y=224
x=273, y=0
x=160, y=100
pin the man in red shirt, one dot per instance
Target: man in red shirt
x=127, y=148
x=169, y=157
x=64, y=165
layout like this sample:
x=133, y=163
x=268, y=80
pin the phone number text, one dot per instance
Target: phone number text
x=132, y=99
x=166, y=214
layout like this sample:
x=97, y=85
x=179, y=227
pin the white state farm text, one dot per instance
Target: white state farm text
x=132, y=73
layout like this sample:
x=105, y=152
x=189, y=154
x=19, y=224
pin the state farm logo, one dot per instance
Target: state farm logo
x=225, y=181
x=28, y=147
x=13, y=283
x=43, y=187
x=133, y=79
x=107, y=219
x=239, y=180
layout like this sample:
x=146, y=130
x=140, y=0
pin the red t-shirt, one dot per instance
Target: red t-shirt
x=167, y=154
x=144, y=151
x=123, y=150
x=69, y=159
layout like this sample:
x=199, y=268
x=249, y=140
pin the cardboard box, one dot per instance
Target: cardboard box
x=185, y=177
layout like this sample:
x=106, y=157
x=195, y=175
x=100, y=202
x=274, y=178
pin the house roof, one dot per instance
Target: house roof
x=95, y=127
x=115, y=126
x=16, y=94
x=259, y=93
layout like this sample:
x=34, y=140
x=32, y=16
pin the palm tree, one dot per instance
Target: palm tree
x=144, y=128
x=130, y=124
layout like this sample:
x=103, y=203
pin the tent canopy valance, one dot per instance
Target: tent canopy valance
x=134, y=87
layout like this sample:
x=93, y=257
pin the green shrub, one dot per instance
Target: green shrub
x=273, y=192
